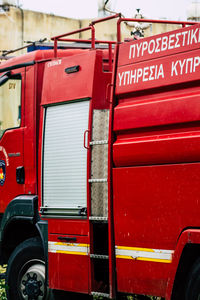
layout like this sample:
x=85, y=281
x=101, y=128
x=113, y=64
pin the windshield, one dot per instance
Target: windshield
x=10, y=105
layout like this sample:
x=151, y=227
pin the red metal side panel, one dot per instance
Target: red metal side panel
x=60, y=86
x=159, y=61
x=156, y=168
x=11, y=144
x=158, y=145
x=133, y=114
x=157, y=149
x=173, y=69
x=152, y=205
x=69, y=261
x=67, y=226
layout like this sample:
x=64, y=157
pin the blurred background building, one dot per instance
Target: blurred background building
x=20, y=26
x=193, y=11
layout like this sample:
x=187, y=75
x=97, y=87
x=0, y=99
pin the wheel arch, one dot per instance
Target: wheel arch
x=21, y=221
x=187, y=251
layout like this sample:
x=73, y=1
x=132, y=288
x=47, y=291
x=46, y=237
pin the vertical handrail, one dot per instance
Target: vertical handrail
x=55, y=48
x=110, y=56
x=92, y=37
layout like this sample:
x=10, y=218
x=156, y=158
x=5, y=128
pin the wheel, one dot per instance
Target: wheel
x=193, y=283
x=25, y=274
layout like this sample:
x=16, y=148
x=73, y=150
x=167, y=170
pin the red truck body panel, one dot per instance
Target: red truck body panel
x=68, y=270
x=155, y=156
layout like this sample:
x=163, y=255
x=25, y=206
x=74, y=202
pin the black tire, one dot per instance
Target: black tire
x=25, y=274
x=193, y=283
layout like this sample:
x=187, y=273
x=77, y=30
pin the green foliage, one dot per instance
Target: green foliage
x=2, y=286
x=2, y=290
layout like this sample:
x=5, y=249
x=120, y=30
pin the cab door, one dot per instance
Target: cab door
x=11, y=136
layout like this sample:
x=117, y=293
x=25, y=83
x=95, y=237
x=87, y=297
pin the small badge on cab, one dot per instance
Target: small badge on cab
x=2, y=172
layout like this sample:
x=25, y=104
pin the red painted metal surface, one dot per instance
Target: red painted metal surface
x=156, y=159
x=158, y=112
x=149, y=213
x=11, y=143
x=66, y=84
x=175, y=69
x=158, y=145
x=65, y=265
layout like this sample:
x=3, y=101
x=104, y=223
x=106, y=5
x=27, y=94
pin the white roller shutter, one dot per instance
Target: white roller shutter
x=65, y=158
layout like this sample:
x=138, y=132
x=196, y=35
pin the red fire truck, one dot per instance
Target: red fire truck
x=100, y=167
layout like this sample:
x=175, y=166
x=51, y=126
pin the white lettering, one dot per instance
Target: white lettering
x=132, y=49
x=196, y=63
x=173, y=70
x=160, y=72
x=188, y=41
x=184, y=34
x=127, y=75
x=177, y=45
x=171, y=41
x=145, y=74
x=54, y=63
x=133, y=76
x=138, y=46
x=139, y=74
x=189, y=60
x=164, y=43
x=120, y=78
x=193, y=36
x=185, y=66
x=151, y=73
x=144, y=47
x=153, y=46
x=181, y=65
x=157, y=45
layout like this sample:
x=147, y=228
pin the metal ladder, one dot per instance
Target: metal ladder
x=99, y=201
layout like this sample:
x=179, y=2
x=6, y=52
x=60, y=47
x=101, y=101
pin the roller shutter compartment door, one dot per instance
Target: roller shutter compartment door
x=64, y=156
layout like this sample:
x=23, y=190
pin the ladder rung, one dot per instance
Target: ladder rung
x=102, y=142
x=100, y=294
x=98, y=256
x=98, y=180
x=94, y=218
